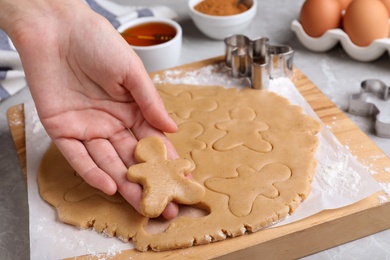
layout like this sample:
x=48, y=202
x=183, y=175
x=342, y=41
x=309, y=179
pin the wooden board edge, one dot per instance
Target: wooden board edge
x=323, y=235
x=16, y=123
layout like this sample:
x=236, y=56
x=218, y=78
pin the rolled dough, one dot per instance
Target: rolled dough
x=252, y=151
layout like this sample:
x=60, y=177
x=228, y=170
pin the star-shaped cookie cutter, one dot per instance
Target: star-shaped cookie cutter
x=373, y=100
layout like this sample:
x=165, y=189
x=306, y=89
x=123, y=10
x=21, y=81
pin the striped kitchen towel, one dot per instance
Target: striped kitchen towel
x=12, y=77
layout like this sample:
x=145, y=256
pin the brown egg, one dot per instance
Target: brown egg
x=318, y=16
x=365, y=21
x=344, y=3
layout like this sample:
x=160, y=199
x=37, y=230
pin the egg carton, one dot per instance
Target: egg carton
x=373, y=100
x=332, y=37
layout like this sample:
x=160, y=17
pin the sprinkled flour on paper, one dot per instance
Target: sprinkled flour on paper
x=382, y=199
x=385, y=187
x=338, y=178
x=215, y=74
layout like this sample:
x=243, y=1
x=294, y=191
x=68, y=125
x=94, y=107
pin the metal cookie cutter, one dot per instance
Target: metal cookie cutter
x=281, y=60
x=238, y=55
x=373, y=100
x=257, y=59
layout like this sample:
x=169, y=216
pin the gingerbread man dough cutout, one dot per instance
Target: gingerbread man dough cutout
x=242, y=130
x=162, y=180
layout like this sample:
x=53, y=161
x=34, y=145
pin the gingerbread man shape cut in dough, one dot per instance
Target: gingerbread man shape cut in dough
x=186, y=137
x=244, y=189
x=190, y=102
x=84, y=192
x=242, y=130
x=162, y=180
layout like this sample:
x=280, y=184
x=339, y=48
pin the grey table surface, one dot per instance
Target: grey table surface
x=336, y=74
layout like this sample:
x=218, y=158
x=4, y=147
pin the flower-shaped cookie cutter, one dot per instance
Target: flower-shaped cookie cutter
x=373, y=100
x=257, y=59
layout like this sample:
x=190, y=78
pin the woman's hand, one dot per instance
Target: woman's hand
x=91, y=91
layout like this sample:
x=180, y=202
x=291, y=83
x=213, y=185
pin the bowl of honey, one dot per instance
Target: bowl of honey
x=219, y=19
x=157, y=41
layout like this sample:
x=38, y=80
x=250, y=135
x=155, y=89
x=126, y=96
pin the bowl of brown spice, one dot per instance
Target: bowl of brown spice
x=218, y=19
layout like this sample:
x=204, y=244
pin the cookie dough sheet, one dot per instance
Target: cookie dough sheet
x=335, y=185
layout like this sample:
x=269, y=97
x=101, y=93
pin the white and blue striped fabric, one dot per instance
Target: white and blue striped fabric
x=12, y=77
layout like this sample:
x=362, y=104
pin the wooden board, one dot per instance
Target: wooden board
x=316, y=233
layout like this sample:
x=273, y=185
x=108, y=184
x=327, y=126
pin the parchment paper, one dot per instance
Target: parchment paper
x=51, y=239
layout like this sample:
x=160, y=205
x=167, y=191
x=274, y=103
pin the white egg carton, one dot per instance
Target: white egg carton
x=331, y=37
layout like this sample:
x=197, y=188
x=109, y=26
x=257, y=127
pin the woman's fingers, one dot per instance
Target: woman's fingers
x=148, y=99
x=144, y=129
x=78, y=157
